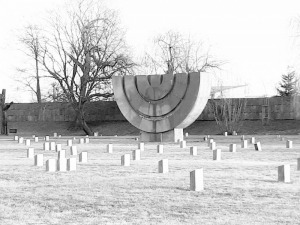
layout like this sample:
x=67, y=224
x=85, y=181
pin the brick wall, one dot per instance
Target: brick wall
x=280, y=108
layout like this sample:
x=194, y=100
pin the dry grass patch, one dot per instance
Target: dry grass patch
x=240, y=189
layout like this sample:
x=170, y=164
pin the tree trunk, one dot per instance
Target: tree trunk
x=80, y=122
x=38, y=87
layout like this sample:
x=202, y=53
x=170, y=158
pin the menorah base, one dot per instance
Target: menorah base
x=169, y=136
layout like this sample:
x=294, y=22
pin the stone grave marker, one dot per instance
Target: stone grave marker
x=186, y=134
x=136, y=154
x=160, y=149
x=62, y=164
x=16, y=138
x=125, y=160
x=289, y=144
x=205, y=138
x=252, y=140
x=217, y=154
x=234, y=133
x=183, y=144
x=213, y=146
x=244, y=144
x=73, y=150
x=211, y=140
x=196, y=180
x=81, y=141
x=141, y=146
x=58, y=147
x=87, y=140
x=193, y=150
x=27, y=142
x=71, y=164
x=36, y=139
x=257, y=146
x=47, y=146
x=30, y=152
x=51, y=165
x=232, y=147
x=298, y=164
x=243, y=137
x=109, y=148
x=95, y=134
x=61, y=154
x=52, y=146
x=47, y=138
x=69, y=143
x=20, y=140
x=163, y=166
x=284, y=173
x=54, y=134
x=83, y=157
x=39, y=160
x=225, y=134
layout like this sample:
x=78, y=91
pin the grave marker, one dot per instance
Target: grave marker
x=289, y=144
x=61, y=154
x=71, y=164
x=284, y=173
x=186, y=134
x=160, y=149
x=193, y=150
x=20, y=140
x=125, y=160
x=38, y=160
x=73, y=150
x=95, y=134
x=52, y=146
x=47, y=138
x=196, y=180
x=298, y=164
x=257, y=146
x=36, y=139
x=87, y=140
x=16, y=138
x=51, y=165
x=58, y=147
x=234, y=133
x=225, y=134
x=217, y=154
x=30, y=152
x=252, y=140
x=183, y=144
x=62, y=164
x=81, y=141
x=27, y=142
x=69, y=143
x=83, y=157
x=213, y=145
x=141, y=146
x=163, y=166
x=232, y=147
x=136, y=154
x=55, y=135
x=109, y=148
x=46, y=146
x=244, y=144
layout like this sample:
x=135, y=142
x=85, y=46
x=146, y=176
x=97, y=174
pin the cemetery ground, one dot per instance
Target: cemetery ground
x=241, y=188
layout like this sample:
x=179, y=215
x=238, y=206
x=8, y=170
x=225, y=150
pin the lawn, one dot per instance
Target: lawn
x=242, y=188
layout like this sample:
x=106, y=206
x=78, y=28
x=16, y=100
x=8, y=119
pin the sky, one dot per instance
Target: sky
x=256, y=38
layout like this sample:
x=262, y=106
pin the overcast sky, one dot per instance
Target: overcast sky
x=255, y=37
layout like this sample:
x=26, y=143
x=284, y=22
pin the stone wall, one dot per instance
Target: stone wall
x=280, y=108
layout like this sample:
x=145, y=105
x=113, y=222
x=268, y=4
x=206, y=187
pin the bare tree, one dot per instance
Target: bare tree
x=84, y=50
x=175, y=54
x=31, y=40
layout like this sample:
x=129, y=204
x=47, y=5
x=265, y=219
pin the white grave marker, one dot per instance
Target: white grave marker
x=217, y=154
x=125, y=160
x=39, y=160
x=136, y=154
x=225, y=134
x=52, y=145
x=73, y=150
x=183, y=144
x=46, y=146
x=196, y=180
x=30, y=152
x=289, y=144
x=141, y=146
x=298, y=164
x=71, y=164
x=244, y=144
x=160, y=149
x=58, y=147
x=21, y=139
x=69, y=143
x=284, y=173
x=257, y=146
x=62, y=164
x=61, y=154
x=87, y=140
x=83, y=157
x=51, y=165
x=47, y=138
x=27, y=142
x=55, y=135
x=36, y=139
x=232, y=147
x=81, y=141
x=213, y=145
x=109, y=148
x=16, y=138
x=163, y=166
x=193, y=150
x=252, y=140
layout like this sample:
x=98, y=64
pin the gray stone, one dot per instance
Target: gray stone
x=298, y=164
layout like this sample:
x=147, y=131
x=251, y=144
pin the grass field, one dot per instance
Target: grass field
x=242, y=188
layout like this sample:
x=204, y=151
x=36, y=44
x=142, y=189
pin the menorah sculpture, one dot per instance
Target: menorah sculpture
x=160, y=106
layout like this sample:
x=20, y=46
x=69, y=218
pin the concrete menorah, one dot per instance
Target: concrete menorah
x=161, y=106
